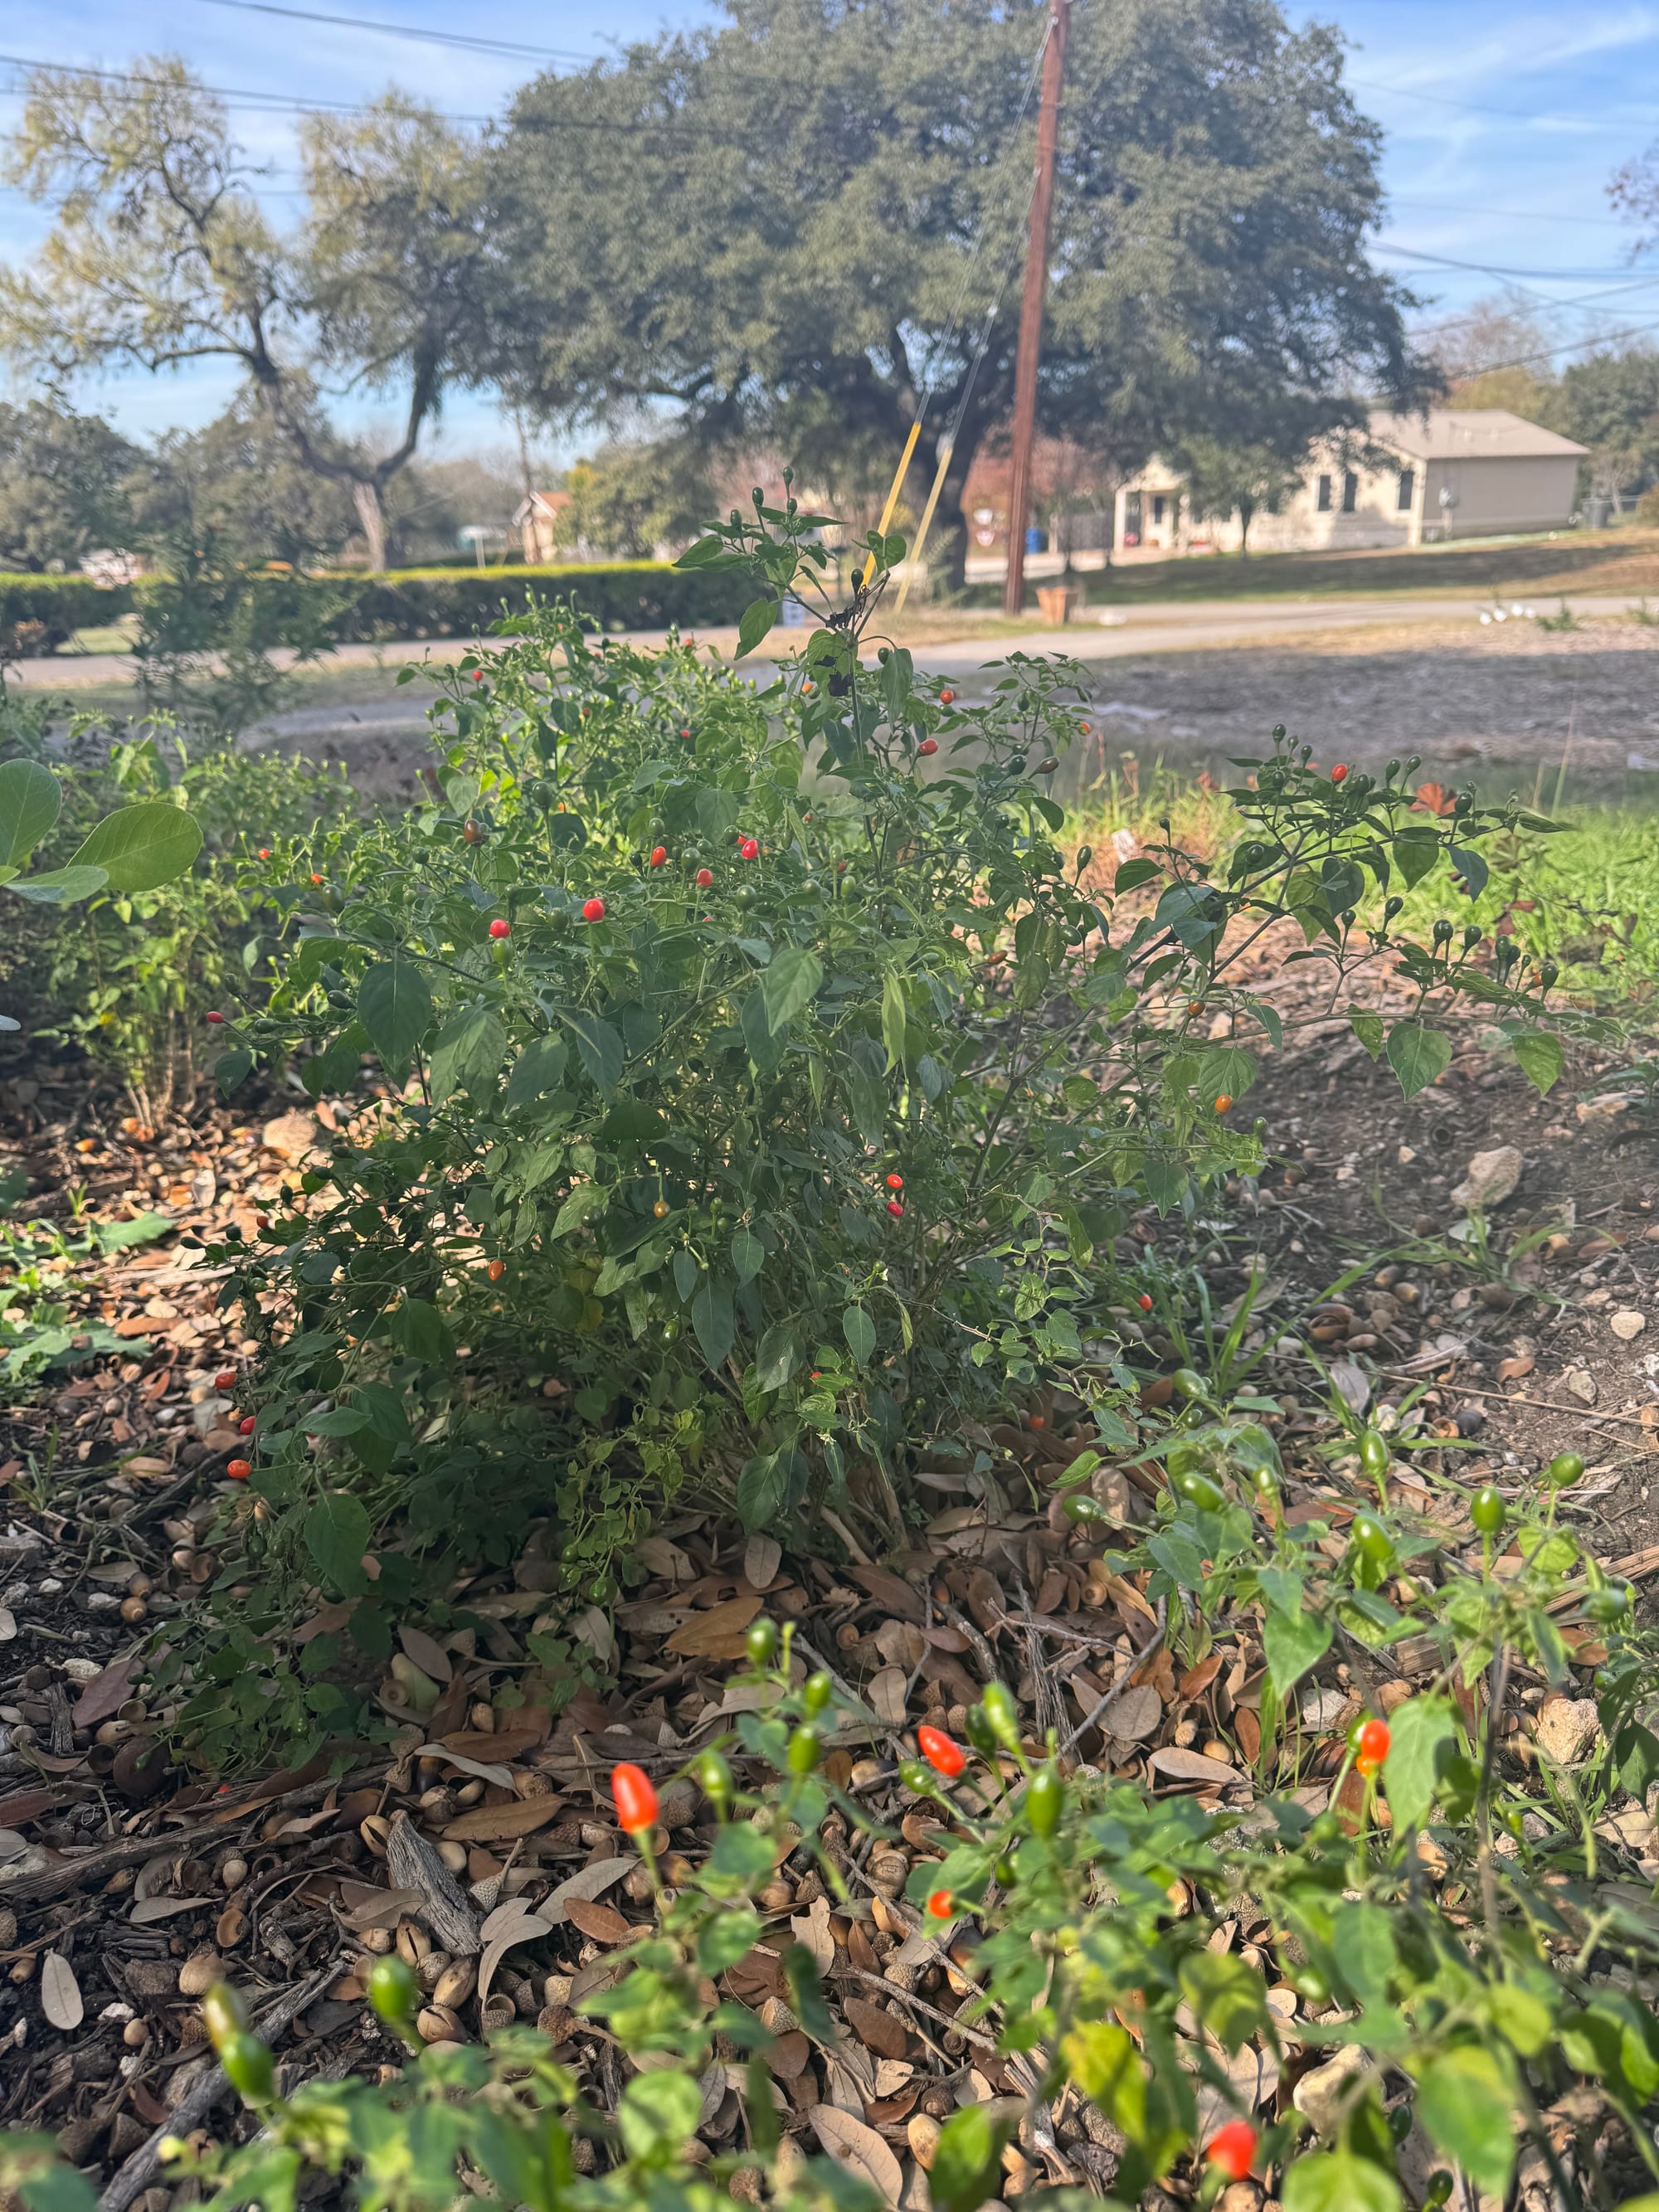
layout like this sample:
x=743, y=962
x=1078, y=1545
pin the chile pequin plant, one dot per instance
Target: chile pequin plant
x=762, y=1091
x=1448, y=1946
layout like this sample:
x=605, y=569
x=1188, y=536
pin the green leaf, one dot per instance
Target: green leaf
x=658, y=2111
x=967, y=2167
x=394, y=1005
x=1338, y=2181
x=57, y=2188
x=756, y=618
x=895, y=1018
x=467, y=1055
x=1471, y=866
x=1418, y=1055
x=232, y=1068
x=1368, y=1028
x=1416, y=1730
x=700, y=554
x=859, y=1331
x=1539, y=1058
x=599, y=1046
x=791, y=982
x=777, y=1357
x=337, y=1532
x=1229, y=1996
x=727, y=1937
x=58, y=886
x=1466, y=2099
x=771, y=1487
x=139, y=847
x=538, y=1069
x=714, y=1321
x=1415, y=852
x=29, y=801
x=1292, y=1644
x=587, y=1198
x=748, y=1254
x=419, y=1329
x=741, y=1860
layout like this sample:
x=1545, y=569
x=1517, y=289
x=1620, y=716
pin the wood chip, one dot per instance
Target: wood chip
x=413, y=1864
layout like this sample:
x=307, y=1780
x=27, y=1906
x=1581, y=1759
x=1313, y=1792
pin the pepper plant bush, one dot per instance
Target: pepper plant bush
x=764, y=1092
x=1456, y=1932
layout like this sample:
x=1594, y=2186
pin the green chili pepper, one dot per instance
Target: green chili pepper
x=1370, y=1538
x=393, y=1989
x=1608, y=1604
x=815, y=1693
x=1188, y=1382
x=805, y=1749
x=1265, y=1482
x=1079, y=1506
x=715, y=1779
x=250, y=2068
x=980, y=1733
x=1309, y=1983
x=1564, y=1470
x=1003, y=1714
x=1374, y=1454
x=223, y=2013
x=1043, y=1799
x=762, y=1642
x=1488, y=1511
x=1198, y=1490
x=916, y=1774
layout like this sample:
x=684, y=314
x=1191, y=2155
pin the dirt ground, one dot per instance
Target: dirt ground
x=1513, y=701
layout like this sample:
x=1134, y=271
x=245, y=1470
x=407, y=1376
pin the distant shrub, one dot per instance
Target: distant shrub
x=38, y=614
x=415, y=603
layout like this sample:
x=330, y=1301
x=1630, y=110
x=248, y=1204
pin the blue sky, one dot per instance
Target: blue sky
x=1504, y=123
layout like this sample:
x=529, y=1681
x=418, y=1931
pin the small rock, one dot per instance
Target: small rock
x=1628, y=1324
x=1582, y=1383
x=1405, y=1155
x=1489, y=1178
x=1565, y=1725
x=1322, y=2096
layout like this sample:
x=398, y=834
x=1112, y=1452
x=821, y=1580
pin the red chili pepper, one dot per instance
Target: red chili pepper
x=1233, y=2149
x=637, y=1798
x=942, y=1753
x=941, y=1905
x=1370, y=1746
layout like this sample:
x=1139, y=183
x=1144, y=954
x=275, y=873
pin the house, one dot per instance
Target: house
x=537, y=521
x=1455, y=472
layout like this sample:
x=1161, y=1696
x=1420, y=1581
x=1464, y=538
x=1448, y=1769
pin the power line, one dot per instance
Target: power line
x=1578, y=345
x=1492, y=268
x=1480, y=107
x=1519, y=215
x=507, y=49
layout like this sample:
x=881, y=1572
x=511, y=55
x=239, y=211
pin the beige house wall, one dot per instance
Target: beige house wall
x=1489, y=496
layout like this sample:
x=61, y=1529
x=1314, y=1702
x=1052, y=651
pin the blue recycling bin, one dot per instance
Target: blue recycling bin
x=1034, y=541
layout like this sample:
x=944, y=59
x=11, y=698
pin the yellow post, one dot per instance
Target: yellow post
x=893, y=496
x=927, y=524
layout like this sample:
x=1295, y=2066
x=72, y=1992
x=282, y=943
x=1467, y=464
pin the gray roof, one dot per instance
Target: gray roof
x=1470, y=434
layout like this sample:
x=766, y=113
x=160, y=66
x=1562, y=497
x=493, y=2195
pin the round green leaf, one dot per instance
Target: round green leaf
x=30, y=799
x=139, y=847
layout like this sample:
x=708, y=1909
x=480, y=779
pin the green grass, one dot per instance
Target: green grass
x=1611, y=560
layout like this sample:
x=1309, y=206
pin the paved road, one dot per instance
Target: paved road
x=1163, y=627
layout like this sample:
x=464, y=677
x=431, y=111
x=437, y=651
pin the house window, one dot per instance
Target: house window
x=1132, y=518
x=1324, y=494
x=1157, y=508
x=1402, y=498
x=1350, y=492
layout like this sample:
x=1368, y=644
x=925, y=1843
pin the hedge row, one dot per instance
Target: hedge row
x=415, y=603
x=38, y=614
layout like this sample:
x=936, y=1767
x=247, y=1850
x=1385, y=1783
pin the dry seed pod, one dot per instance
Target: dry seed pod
x=133, y=1610
x=555, y=1989
x=482, y=1717
x=430, y=1968
x=469, y=1793
x=376, y=1940
x=530, y=1782
x=558, y=2023
x=437, y=1806
x=453, y=1856
x=778, y=1896
x=232, y=1871
x=7, y=1928
x=139, y=1585
x=135, y=2034
x=456, y=1984
x=498, y=2011
x=889, y=1871
x=637, y=1884
x=435, y=2025
x=413, y=1942
x=375, y=1831
x=230, y=1927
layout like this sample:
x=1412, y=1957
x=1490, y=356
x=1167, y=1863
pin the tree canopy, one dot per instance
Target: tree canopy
x=64, y=486
x=796, y=223
x=160, y=253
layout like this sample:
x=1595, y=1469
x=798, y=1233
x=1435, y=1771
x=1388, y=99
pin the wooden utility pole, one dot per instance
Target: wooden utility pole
x=1030, y=307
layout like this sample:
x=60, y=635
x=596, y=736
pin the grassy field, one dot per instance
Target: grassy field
x=1625, y=560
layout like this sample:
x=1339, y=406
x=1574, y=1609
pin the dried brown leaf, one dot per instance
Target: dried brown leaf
x=498, y=1824
x=877, y=2030
x=602, y=1924
x=588, y=1882
x=60, y=1993
x=858, y=2147
x=717, y=1634
x=427, y=1652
